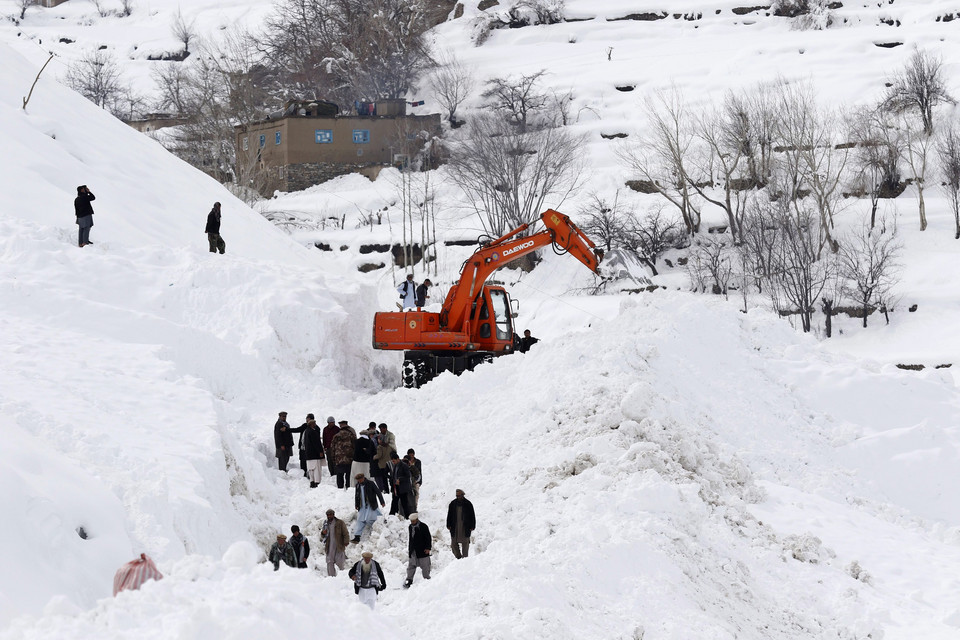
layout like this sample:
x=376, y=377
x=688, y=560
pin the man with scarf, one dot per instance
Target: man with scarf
x=368, y=579
x=301, y=547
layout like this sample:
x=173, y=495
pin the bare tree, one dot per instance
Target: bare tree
x=920, y=86
x=100, y=7
x=710, y=265
x=182, y=30
x=452, y=83
x=518, y=99
x=507, y=175
x=346, y=50
x=605, y=222
x=662, y=155
x=917, y=149
x=810, y=162
x=97, y=77
x=758, y=246
x=948, y=150
x=876, y=158
x=126, y=7
x=799, y=274
x=869, y=265
x=23, y=5
x=650, y=236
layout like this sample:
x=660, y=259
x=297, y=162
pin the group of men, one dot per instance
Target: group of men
x=412, y=295
x=370, y=454
x=367, y=574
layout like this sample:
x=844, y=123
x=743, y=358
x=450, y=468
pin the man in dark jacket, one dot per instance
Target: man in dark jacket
x=84, y=211
x=416, y=470
x=301, y=547
x=418, y=548
x=213, y=230
x=461, y=521
x=366, y=497
x=283, y=440
x=329, y=432
x=313, y=450
x=363, y=452
x=527, y=341
x=423, y=293
x=402, y=486
x=368, y=579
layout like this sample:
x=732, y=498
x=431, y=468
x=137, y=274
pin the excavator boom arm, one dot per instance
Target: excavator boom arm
x=560, y=231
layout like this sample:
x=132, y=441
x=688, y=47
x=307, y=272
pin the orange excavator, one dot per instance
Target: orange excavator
x=476, y=321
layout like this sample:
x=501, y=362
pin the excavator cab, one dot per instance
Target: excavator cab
x=493, y=321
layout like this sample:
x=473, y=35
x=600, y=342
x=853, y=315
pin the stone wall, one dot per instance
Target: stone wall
x=300, y=176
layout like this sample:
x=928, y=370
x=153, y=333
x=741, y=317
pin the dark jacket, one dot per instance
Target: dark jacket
x=213, y=221
x=526, y=343
x=467, y=513
x=375, y=575
x=402, y=478
x=283, y=438
x=364, y=450
x=416, y=470
x=420, y=540
x=300, y=545
x=372, y=492
x=328, y=432
x=312, y=444
x=82, y=206
x=421, y=295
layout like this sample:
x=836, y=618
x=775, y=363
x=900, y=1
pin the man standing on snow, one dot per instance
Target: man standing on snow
x=281, y=551
x=461, y=521
x=329, y=432
x=213, y=230
x=363, y=452
x=368, y=579
x=418, y=548
x=283, y=440
x=423, y=293
x=335, y=540
x=402, y=486
x=366, y=497
x=313, y=450
x=84, y=211
x=416, y=472
x=387, y=444
x=408, y=293
x=301, y=547
x=343, y=445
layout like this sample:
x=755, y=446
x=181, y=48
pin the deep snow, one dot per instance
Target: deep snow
x=659, y=466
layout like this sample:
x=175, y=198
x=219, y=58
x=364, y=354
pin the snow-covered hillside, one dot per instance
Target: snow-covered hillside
x=659, y=466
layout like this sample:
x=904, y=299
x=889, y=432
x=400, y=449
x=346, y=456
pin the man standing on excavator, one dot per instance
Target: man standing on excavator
x=408, y=293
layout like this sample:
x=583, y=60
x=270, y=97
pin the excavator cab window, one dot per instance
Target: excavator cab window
x=501, y=314
x=484, y=315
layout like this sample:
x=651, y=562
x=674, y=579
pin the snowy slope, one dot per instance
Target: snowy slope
x=658, y=467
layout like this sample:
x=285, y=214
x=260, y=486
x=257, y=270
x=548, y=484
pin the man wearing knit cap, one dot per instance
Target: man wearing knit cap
x=418, y=549
x=282, y=551
x=461, y=521
x=368, y=579
x=328, y=432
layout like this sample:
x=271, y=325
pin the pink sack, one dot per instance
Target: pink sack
x=135, y=573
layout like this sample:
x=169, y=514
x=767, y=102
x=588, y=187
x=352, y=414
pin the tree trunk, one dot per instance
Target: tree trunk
x=828, y=319
x=923, y=209
x=866, y=310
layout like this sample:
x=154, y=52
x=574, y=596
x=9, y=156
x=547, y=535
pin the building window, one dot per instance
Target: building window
x=246, y=144
x=263, y=141
x=277, y=138
x=361, y=136
x=323, y=136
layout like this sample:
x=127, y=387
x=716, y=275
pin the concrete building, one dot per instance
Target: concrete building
x=309, y=142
